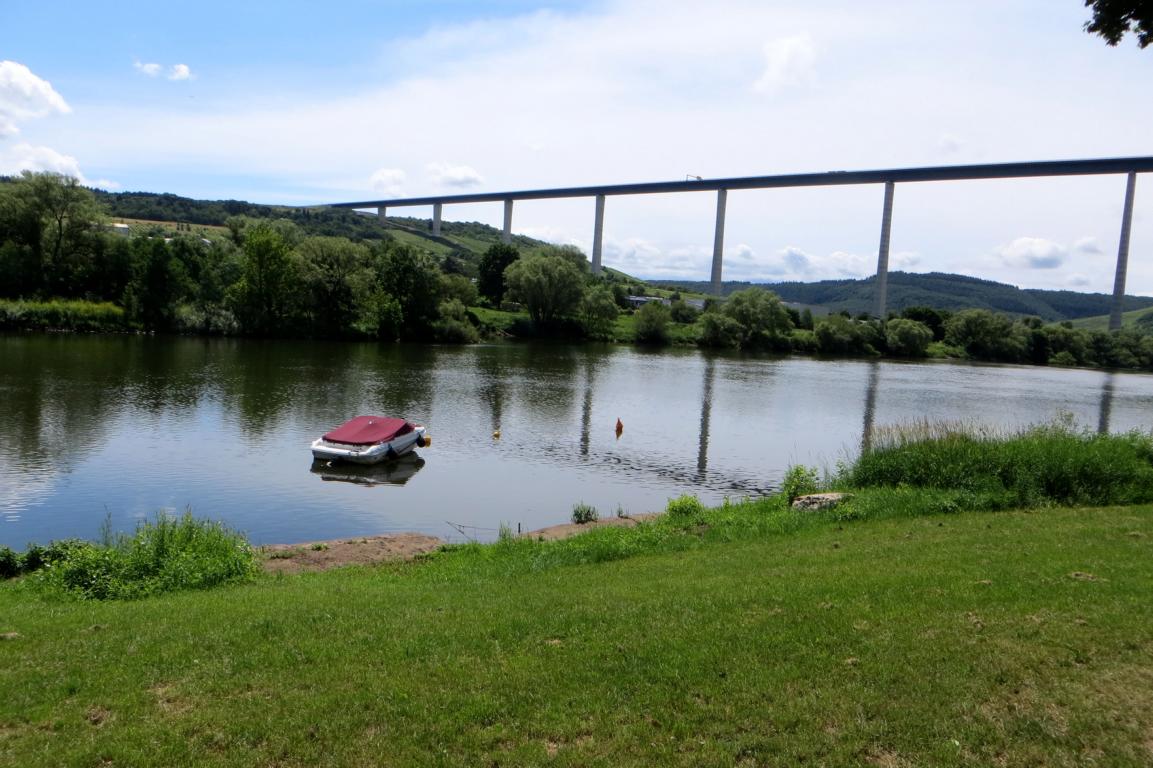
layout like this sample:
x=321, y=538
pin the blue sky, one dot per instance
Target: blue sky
x=300, y=103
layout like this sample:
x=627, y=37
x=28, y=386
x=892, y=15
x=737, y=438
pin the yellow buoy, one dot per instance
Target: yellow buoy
x=496, y=434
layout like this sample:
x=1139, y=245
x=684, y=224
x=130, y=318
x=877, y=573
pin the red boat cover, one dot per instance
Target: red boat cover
x=366, y=430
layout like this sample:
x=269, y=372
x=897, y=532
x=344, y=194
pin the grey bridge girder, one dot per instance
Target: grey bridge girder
x=1130, y=166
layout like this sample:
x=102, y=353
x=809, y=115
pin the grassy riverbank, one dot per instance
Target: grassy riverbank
x=1013, y=638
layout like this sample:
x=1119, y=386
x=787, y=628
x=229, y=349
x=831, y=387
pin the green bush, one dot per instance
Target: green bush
x=799, y=481
x=9, y=563
x=686, y=506
x=165, y=555
x=652, y=323
x=1054, y=464
x=584, y=513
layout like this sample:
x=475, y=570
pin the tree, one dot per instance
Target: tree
x=336, y=282
x=414, y=281
x=598, y=312
x=261, y=297
x=652, y=323
x=985, y=335
x=907, y=337
x=493, y=263
x=1113, y=19
x=763, y=318
x=550, y=287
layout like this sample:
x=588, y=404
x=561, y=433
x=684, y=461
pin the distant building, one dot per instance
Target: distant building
x=120, y=229
x=639, y=301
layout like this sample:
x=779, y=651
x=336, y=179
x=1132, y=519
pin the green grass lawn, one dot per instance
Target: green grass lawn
x=1015, y=638
x=1101, y=322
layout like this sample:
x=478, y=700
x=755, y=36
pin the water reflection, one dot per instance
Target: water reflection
x=706, y=413
x=396, y=472
x=1106, y=409
x=874, y=381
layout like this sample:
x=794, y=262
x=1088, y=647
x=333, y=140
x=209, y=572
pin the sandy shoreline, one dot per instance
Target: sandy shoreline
x=393, y=547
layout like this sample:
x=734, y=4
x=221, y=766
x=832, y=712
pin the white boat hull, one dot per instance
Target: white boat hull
x=367, y=454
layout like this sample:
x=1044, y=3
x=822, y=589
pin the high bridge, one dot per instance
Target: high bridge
x=1129, y=166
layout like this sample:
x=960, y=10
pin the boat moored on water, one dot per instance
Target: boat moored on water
x=369, y=440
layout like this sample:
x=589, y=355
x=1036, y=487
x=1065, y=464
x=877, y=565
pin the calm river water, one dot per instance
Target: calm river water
x=121, y=427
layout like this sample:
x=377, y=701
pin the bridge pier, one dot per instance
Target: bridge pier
x=883, y=252
x=437, y=209
x=719, y=240
x=598, y=234
x=382, y=214
x=1123, y=254
x=506, y=234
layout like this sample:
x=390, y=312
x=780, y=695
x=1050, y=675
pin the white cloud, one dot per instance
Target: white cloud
x=388, y=181
x=179, y=72
x=26, y=157
x=24, y=96
x=1077, y=280
x=1032, y=253
x=789, y=61
x=949, y=144
x=447, y=175
x=151, y=69
x=1087, y=245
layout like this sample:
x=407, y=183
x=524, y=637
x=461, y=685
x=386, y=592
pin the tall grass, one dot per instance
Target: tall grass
x=1052, y=464
x=61, y=315
x=167, y=554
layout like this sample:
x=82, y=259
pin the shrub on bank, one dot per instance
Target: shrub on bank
x=61, y=315
x=166, y=555
x=1054, y=464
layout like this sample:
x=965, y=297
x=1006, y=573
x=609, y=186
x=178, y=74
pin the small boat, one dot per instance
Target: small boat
x=369, y=440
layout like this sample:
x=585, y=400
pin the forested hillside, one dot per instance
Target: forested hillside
x=937, y=290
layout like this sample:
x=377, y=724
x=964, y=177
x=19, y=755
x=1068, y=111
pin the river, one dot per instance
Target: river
x=97, y=428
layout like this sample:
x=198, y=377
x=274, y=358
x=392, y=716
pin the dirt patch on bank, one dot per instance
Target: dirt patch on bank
x=564, y=530
x=370, y=550
x=364, y=550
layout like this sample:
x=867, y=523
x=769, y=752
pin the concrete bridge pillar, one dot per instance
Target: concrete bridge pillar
x=437, y=209
x=1123, y=255
x=598, y=234
x=506, y=235
x=719, y=240
x=883, y=252
x=382, y=214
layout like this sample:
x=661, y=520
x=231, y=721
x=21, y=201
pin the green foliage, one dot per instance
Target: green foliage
x=799, y=480
x=65, y=315
x=985, y=335
x=491, y=271
x=336, y=280
x=721, y=331
x=584, y=513
x=1044, y=465
x=907, y=338
x=1113, y=19
x=459, y=287
x=598, y=312
x=453, y=326
x=261, y=298
x=685, y=507
x=166, y=555
x=9, y=563
x=652, y=323
x=839, y=335
x=763, y=320
x=414, y=281
x=682, y=312
x=550, y=286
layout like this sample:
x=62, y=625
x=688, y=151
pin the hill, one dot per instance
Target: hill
x=463, y=240
x=940, y=291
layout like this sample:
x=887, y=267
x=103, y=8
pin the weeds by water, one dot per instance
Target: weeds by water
x=167, y=554
x=984, y=469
